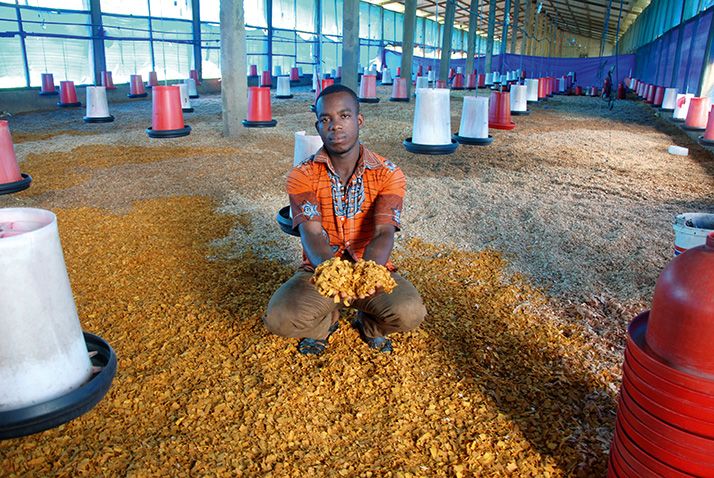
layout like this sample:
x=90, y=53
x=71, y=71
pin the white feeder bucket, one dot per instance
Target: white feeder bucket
x=432, y=117
x=421, y=82
x=519, y=94
x=314, y=81
x=97, y=106
x=300, y=70
x=681, y=106
x=305, y=146
x=373, y=68
x=691, y=230
x=283, y=90
x=42, y=350
x=496, y=77
x=561, y=85
x=532, y=90
x=459, y=70
x=474, y=118
x=185, y=101
x=386, y=77
x=488, y=79
x=365, y=71
x=431, y=76
x=278, y=70
x=191, y=83
x=670, y=99
x=633, y=82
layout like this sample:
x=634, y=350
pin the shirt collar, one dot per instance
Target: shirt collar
x=367, y=160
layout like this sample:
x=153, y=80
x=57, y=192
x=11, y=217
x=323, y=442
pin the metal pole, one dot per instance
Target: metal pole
x=489, y=37
x=471, y=38
x=408, y=42
x=350, y=43
x=21, y=31
x=100, y=62
x=516, y=13
x=446, y=40
x=197, y=53
x=151, y=39
x=269, y=18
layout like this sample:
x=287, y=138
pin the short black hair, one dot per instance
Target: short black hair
x=332, y=89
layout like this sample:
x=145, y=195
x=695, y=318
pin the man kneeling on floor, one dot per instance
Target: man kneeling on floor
x=346, y=202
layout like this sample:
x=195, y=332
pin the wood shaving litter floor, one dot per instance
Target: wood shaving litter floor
x=501, y=378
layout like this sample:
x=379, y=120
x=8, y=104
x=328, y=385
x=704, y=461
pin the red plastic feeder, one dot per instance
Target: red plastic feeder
x=440, y=84
x=471, y=81
x=399, y=90
x=339, y=71
x=259, y=111
x=499, y=111
x=420, y=71
x=451, y=73
x=650, y=94
x=194, y=74
x=658, y=96
x=136, y=87
x=253, y=70
x=458, y=82
x=68, y=95
x=11, y=180
x=48, y=85
x=399, y=71
x=166, y=115
x=578, y=91
x=621, y=92
x=542, y=89
x=153, y=80
x=107, y=81
x=482, y=80
x=708, y=138
x=428, y=68
x=368, y=89
x=593, y=91
x=294, y=75
x=698, y=114
x=265, y=79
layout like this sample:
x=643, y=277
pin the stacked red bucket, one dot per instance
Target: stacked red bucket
x=665, y=418
x=260, y=114
x=11, y=179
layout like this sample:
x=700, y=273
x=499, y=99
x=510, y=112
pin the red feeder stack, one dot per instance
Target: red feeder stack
x=253, y=70
x=698, y=114
x=194, y=74
x=665, y=418
x=11, y=180
x=368, y=89
x=266, y=80
x=399, y=90
x=153, y=80
x=68, y=95
x=499, y=111
x=136, y=87
x=658, y=96
x=107, y=81
x=440, y=83
x=708, y=138
x=294, y=75
x=621, y=92
x=167, y=115
x=482, y=80
x=48, y=85
x=260, y=114
x=458, y=82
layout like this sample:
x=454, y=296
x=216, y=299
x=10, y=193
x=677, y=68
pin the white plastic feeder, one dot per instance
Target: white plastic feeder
x=519, y=103
x=532, y=90
x=691, y=230
x=430, y=76
x=421, y=82
x=474, y=122
x=561, y=85
x=432, y=123
x=315, y=80
x=283, y=91
x=633, y=82
x=681, y=106
x=278, y=70
x=488, y=80
x=97, y=106
x=669, y=101
x=387, y=77
x=185, y=101
x=496, y=77
x=459, y=70
x=191, y=83
x=46, y=375
x=305, y=146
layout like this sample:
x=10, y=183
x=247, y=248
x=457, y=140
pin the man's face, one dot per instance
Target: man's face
x=338, y=122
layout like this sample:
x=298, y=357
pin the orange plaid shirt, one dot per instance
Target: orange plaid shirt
x=373, y=195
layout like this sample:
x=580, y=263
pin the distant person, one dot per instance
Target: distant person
x=346, y=202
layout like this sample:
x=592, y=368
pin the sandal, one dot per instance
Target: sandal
x=308, y=346
x=380, y=344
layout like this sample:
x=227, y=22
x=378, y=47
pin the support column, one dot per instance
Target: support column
x=350, y=43
x=516, y=13
x=234, y=83
x=408, y=42
x=18, y=14
x=100, y=61
x=471, y=37
x=317, y=54
x=489, y=38
x=151, y=39
x=506, y=23
x=269, y=18
x=446, y=40
x=528, y=30
x=196, y=22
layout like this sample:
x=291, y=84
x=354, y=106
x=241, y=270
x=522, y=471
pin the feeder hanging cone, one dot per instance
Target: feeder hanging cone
x=399, y=90
x=136, y=87
x=708, y=138
x=432, y=123
x=698, y=114
x=368, y=89
x=153, y=80
x=185, y=100
x=387, y=77
x=681, y=106
x=11, y=180
x=48, y=85
x=68, y=95
x=294, y=75
x=166, y=114
x=499, y=115
x=669, y=102
x=191, y=84
x=253, y=70
x=107, y=81
x=474, y=122
x=532, y=90
x=259, y=111
x=519, y=104
x=283, y=91
x=97, y=106
x=305, y=146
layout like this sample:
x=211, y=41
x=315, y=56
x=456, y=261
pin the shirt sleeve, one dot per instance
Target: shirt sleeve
x=303, y=199
x=388, y=205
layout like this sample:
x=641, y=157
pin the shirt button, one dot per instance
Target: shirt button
x=342, y=218
x=347, y=243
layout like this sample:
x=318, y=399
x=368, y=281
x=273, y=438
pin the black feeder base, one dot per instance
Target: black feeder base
x=368, y=100
x=692, y=128
x=520, y=113
x=707, y=142
x=286, y=223
x=69, y=105
x=16, y=186
x=283, y=97
x=140, y=95
x=193, y=97
x=667, y=109
x=387, y=84
x=169, y=133
x=678, y=120
x=259, y=124
x=403, y=100
x=55, y=412
x=474, y=141
x=49, y=93
x=104, y=119
x=430, y=148
x=532, y=102
x=457, y=88
x=187, y=110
